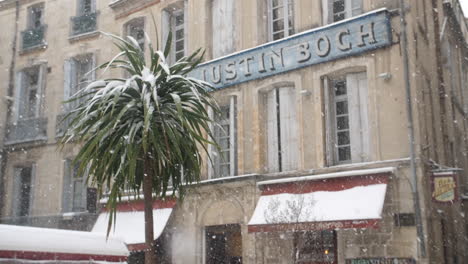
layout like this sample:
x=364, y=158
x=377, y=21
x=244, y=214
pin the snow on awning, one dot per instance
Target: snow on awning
x=130, y=222
x=320, y=202
x=33, y=243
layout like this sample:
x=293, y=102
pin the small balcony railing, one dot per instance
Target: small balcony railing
x=84, y=24
x=27, y=130
x=33, y=37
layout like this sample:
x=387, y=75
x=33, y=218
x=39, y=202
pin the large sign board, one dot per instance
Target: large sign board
x=347, y=38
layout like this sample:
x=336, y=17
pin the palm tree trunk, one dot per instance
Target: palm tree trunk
x=150, y=257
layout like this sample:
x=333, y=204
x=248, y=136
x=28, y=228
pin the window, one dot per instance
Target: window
x=224, y=160
x=316, y=247
x=86, y=7
x=23, y=190
x=223, y=21
x=36, y=16
x=281, y=19
x=348, y=125
x=29, y=86
x=135, y=28
x=74, y=189
x=174, y=21
x=282, y=140
x=78, y=74
x=341, y=9
x=223, y=244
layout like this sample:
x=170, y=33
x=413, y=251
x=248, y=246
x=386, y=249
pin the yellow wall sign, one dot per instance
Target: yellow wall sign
x=444, y=187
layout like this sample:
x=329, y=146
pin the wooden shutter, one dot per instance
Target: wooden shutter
x=355, y=8
x=93, y=6
x=272, y=131
x=223, y=27
x=67, y=186
x=67, y=79
x=288, y=129
x=166, y=27
x=232, y=136
x=327, y=6
x=19, y=82
x=32, y=184
x=357, y=107
x=16, y=191
x=211, y=149
x=41, y=85
x=329, y=131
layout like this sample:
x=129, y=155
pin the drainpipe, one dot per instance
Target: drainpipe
x=409, y=110
x=11, y=87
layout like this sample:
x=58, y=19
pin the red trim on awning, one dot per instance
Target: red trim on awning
x=332, y=184
x=139, y=205
x=309, y=226
x=32, y=255
x=137, y=247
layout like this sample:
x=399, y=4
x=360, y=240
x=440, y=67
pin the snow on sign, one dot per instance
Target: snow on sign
x=349, y=37
x=444, y=187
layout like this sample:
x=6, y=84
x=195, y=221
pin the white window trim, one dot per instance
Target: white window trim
x=285, y=18
x=232, y=141
x=168, y=25
x=68, y=188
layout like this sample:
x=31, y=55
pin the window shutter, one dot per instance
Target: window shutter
x=329, y=141
x=41, y=88
x=327, y=6
x=93, y=67
x=288, y=129
x=67, y=79
x=272, y=132
x=166, y=27
x=16, y=191
x=357, y=107
x=232, y=136
x=223, y=27
x=93, y=6
x=67, y=187
x=18, y=91
x=356, y=8
x=211, y=149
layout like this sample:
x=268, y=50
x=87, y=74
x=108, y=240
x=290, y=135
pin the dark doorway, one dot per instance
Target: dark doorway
x=223, y=244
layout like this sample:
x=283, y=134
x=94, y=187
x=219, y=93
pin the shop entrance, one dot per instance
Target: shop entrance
x=223, y=244
x=315, y=247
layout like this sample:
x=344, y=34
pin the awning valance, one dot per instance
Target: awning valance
x=44, y=244
x=321, y=202
x=130, y=222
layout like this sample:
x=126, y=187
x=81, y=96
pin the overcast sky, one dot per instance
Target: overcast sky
x=464, y=4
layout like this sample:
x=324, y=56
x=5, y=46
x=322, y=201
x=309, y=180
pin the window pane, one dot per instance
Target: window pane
x=342, y=122
x=344, y=153
x=278, y=35
x=179, y=34
x=275, y=3
x=343, y=138
x=338, y=6
x=340, y=88
x=25, y=191
x=278, y=25
x=278, y=13
x=341, y=108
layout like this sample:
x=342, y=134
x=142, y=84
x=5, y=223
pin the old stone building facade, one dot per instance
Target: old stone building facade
x=316, y=162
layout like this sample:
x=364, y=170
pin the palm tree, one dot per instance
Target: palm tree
x=148, y=130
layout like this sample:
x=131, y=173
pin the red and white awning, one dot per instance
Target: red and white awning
x=130, y=222
x=37, y=244
x=352, y=199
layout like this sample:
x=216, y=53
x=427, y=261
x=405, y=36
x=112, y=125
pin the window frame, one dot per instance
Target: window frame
x=299, y=237
x=328, y=13
x=215, y=168
x=285, y=18
x=72, y=84
x=137, y=21
x=30, y=18
x=80, y=7
x=22, y=89
x=169, y=15
x=358, y=118
x=68, y=189
x=17, y=170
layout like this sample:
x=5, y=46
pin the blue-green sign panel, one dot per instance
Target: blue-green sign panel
x=347, y=38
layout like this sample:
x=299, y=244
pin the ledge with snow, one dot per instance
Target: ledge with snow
x=20, y=244
x=352, y=199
